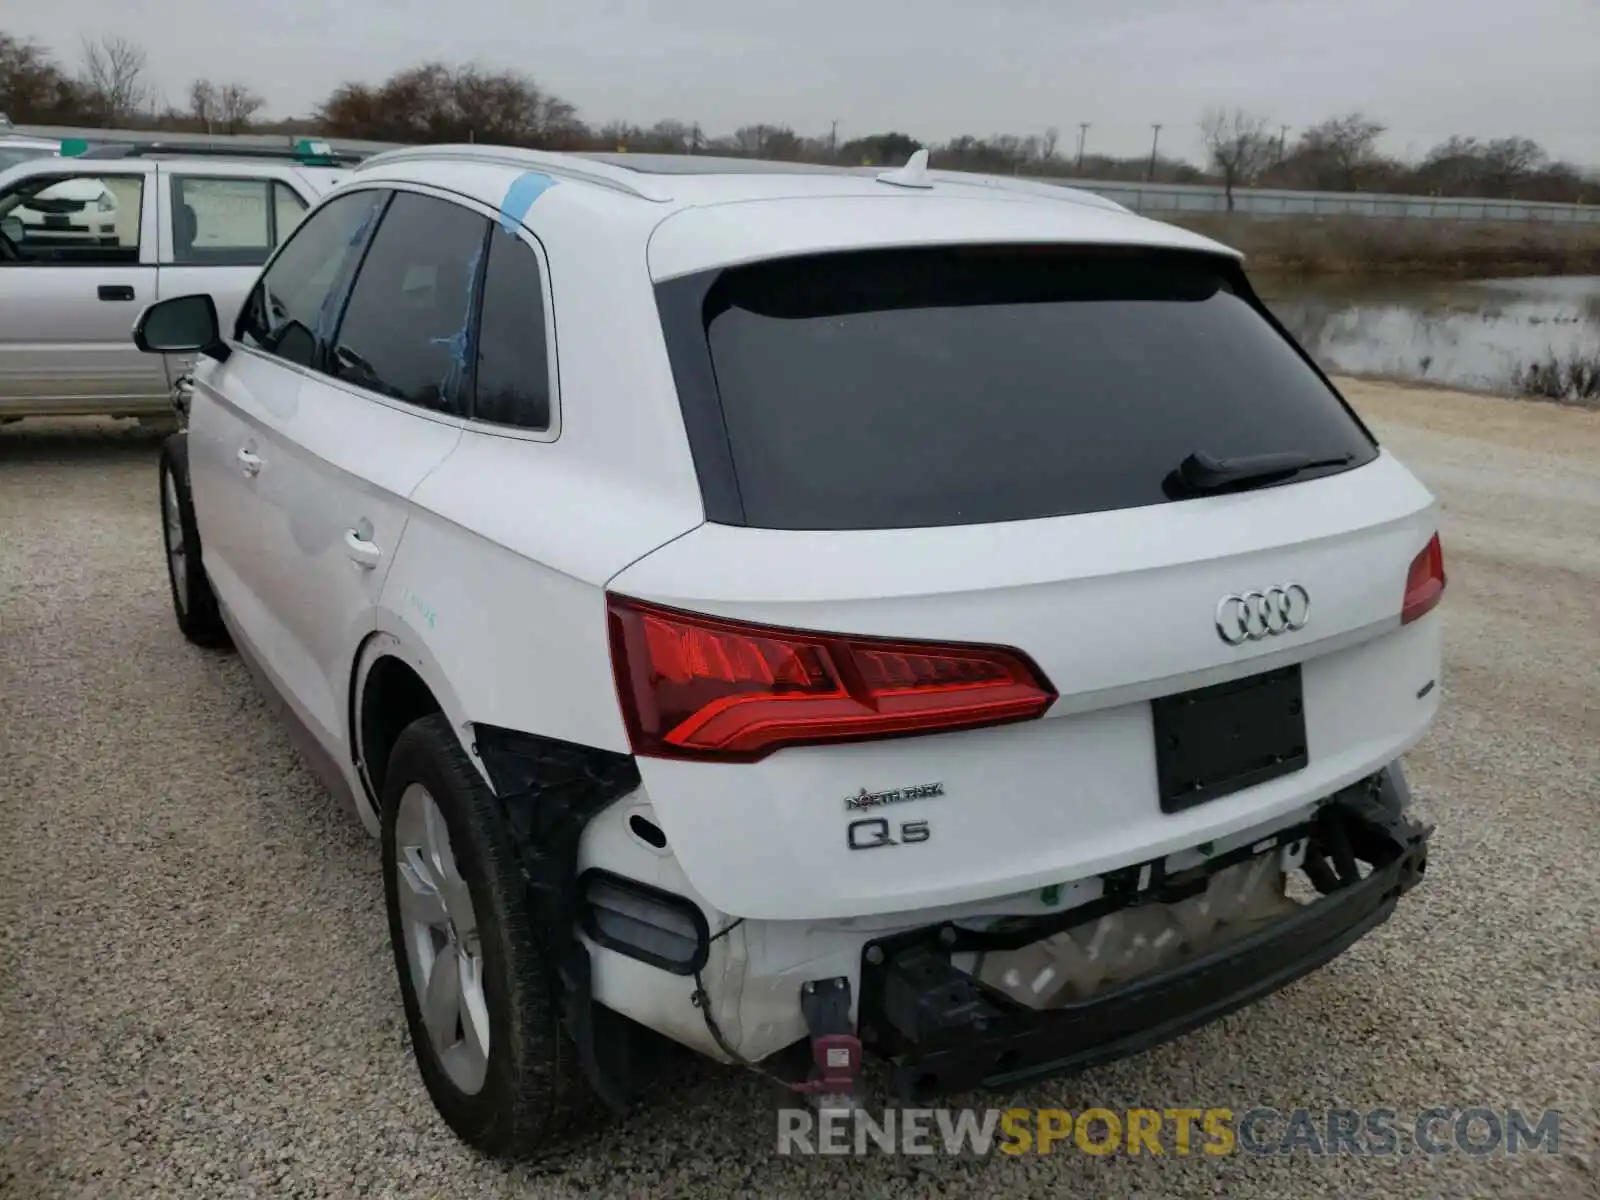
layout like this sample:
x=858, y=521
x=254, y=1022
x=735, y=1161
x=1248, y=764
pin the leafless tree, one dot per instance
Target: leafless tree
x=225, y=107
x=1509, y=161
x=671, y=137
x=437, y=102
x=1239, y=146
x=204, y=102
x=1336, y=153
x=32, y=86
x=114, y=77
x=238, y=104
x=767, y=141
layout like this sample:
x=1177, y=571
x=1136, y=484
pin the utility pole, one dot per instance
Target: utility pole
x=833, y=140
x=694, y=139
x=1283, y=135
x=1083, y=132
x=1155, y=138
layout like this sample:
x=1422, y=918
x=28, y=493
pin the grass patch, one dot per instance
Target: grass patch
x=1574, y=379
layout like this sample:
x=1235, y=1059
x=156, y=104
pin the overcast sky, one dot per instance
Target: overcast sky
x=931, y=68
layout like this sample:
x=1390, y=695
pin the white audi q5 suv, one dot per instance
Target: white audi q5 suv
x=810, y=615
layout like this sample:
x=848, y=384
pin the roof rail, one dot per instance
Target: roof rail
x=309, y=153
x=563, y=166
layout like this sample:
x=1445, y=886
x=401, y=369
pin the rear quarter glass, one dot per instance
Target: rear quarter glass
x=945, y=386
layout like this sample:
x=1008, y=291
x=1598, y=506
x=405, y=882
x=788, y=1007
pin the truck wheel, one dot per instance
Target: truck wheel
x=193, y=602
x=481, y=1005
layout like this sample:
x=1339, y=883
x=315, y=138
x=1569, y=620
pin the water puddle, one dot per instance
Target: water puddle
x=1496, y=335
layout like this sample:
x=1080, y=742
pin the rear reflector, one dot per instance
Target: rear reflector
x=1424, y=582
x=705, y=688
x=644, y=922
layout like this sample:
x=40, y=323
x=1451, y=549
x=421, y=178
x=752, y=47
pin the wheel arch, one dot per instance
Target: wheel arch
x=394, y=681
x=399, y=674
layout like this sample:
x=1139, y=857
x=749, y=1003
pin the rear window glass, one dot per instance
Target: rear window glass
x=877, y=390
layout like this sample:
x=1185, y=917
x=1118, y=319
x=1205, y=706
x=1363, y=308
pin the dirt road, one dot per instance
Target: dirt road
x=197, y=997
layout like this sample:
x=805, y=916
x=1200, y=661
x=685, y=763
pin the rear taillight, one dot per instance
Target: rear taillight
x=705, y=688
x=1424, y=582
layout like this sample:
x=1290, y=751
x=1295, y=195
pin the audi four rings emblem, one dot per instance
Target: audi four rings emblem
x=1251, y=616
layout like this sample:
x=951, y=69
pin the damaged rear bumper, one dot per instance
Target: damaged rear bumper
x=946, y=1033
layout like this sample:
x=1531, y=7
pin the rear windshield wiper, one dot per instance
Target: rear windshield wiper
x=1200, y=474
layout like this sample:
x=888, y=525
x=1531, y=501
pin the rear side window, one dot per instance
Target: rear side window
x=954, y=386
x=292, y=309
x=513, y=369
x=229, y=222
x=406, y=329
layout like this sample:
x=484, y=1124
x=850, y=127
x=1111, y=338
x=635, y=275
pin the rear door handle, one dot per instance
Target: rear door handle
x=249, y=463
x=363, y=553
x=116, y=291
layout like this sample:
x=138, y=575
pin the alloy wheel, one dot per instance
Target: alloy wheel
x=172, y=523
x=442, y=946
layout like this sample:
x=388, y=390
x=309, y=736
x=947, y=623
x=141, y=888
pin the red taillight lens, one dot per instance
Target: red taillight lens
x=1424, y=582
x=705, y=688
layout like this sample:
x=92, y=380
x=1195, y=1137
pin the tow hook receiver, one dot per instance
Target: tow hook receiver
x=835, y=1082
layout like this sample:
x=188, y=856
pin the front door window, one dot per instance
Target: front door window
x=72, y=220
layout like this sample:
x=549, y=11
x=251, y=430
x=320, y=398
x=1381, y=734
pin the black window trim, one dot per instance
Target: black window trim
x=341, y=286
x=680, y=302
x=324, y=347
x=492, y=217
x=174, y=198
x=552, y=430
x=144, y=178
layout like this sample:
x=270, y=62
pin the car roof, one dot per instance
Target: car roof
x=698, y=212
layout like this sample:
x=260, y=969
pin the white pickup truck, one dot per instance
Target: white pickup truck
x=87, y=242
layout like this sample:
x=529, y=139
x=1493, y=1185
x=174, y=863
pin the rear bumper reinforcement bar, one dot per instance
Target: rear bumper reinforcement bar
x=946, y=1033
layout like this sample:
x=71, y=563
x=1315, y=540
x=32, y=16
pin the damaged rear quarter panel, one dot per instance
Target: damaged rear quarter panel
x=499, y=582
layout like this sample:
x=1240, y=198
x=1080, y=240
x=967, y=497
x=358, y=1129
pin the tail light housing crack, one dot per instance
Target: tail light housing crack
x=709, y=689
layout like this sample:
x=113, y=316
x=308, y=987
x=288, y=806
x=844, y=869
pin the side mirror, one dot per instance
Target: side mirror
x=181, y=325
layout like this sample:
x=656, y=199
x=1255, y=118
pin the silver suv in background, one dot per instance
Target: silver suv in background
x=88, y=241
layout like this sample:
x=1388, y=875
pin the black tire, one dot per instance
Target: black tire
x=194, y=604
x=534, y=1099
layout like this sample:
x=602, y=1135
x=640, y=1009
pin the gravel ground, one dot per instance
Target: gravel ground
x=196, y=994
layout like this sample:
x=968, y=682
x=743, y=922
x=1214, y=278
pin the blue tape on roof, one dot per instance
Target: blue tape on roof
x=524, y=190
